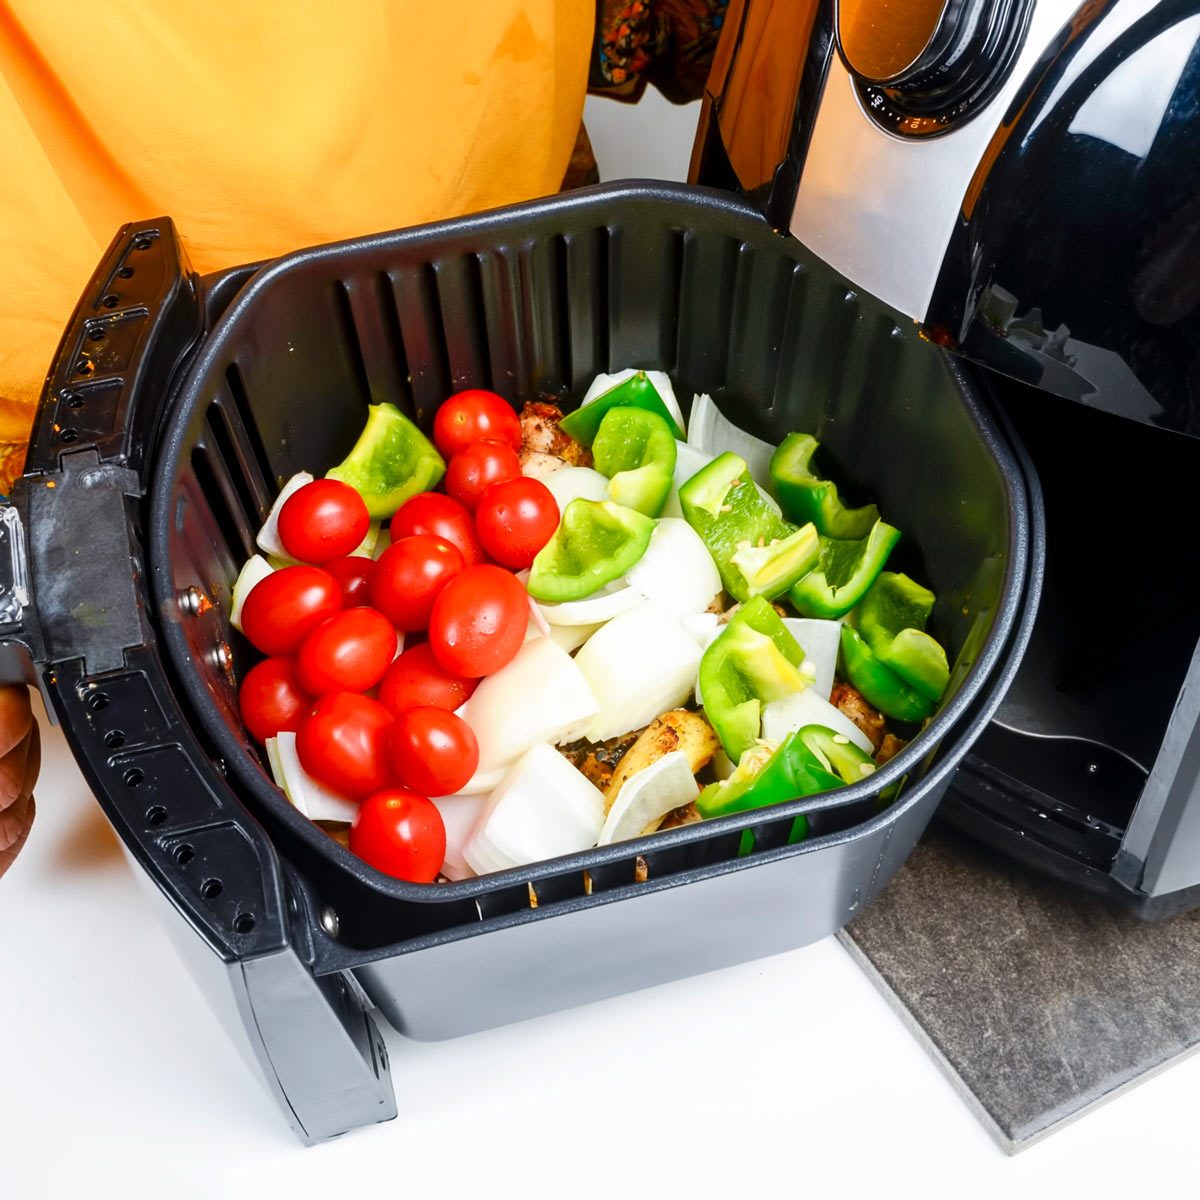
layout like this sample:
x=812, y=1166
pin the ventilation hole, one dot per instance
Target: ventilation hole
x=156, y=814
x=210, y=889
x=114, y=739
x=227, y=451
x=75, y=401
x=126, y=272
x=218, y=503
x=69, y=435
x=142, y=243
x=184, y=854
x=133, y=777
x=111, y=300
x=243, y=923
x=97, y=334
x=241, y=404
x=96, y=701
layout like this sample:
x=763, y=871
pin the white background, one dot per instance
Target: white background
x=787, y=1076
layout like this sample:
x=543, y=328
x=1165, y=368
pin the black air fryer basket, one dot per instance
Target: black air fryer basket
x=177, y=406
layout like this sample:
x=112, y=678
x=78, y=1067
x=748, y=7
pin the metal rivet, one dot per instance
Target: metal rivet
x=330, y=922
x=193, y=601
x=223, y=656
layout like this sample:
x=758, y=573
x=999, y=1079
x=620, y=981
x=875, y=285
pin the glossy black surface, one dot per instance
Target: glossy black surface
x=966, y=62
x=1076, y=265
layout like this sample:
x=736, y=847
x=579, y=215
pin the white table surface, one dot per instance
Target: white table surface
x=790, y=1075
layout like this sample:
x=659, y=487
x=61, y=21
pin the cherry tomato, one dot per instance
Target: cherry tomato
x=473, y=470
x=348, y=653
x=286, y=606
x=410, y=574
x=343, y=744
x=479, y=621
x=442, y=517
x=433, y=751
x=322, y=520
x=353, y=574
x=475, y=415
x=271, y=698
x=417, y=678
x=515, y=519
x=401, y=834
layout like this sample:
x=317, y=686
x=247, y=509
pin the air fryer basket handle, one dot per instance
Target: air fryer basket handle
x=76, y=618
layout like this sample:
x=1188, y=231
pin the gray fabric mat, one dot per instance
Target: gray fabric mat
x=1038, y=1001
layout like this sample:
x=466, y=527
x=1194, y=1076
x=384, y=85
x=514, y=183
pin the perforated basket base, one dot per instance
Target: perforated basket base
x=1038, y=1001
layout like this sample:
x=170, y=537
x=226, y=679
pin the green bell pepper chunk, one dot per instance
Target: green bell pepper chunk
x=892, y=618
x=391, y=461
x=596, y=542
x=882, y=687
x=754, y=660
x=844, y=572
x=790, y=772
x=804, y=496
x=838, y=753
x=757, y=552
x=636, y=450
x=635, y=392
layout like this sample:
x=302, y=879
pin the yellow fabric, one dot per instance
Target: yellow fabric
x=261, y=126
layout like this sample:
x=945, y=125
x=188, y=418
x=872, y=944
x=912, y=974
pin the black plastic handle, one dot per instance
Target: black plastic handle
x=75, y=620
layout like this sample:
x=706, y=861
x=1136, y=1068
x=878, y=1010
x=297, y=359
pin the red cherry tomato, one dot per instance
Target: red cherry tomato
x=343, y=744
x=353, y=574
x=417, y=678
x=475, y=415
x=271, y=698
x=479, y=621
x=322, y=520
x=473, y=470
x=401, y=834
x=515, y=519
x=441, y=517
x=433, y=751
x=348, y=653
x=410, y=574
x=286, y=606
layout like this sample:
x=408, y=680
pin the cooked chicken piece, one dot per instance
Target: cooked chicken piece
x=598, y=760
x=537, y=465
x=540, y=434
x=687, y=815
x=889, y=748
x=674, y=730
x=853, y=704
x=338, y=830
x=720, y=603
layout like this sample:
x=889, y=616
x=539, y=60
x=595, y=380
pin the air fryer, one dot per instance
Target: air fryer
x=177, y=405
x=1022, y=181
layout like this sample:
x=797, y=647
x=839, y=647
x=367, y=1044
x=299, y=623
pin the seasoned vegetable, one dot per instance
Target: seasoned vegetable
x=391, y=461
x=753, y=661
x=676, y=572
x=636, y=391
x=790, y=713
x=596, y=542
x=636, y=450
x=835, y=750
x=645, y=798
x=638, y=665
x=790, y=771
x=804, y=496
x=844, y=572
x=892, y=620
x=756, y=551
x=879, y=683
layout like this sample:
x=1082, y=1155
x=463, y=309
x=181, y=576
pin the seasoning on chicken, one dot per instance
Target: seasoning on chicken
x=850, y=702
x=540, y=434
x=674, y=730
x=889, y=748
x=598, y=760
x=687, y=815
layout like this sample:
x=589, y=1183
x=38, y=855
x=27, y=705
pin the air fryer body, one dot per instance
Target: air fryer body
x=1022, y=179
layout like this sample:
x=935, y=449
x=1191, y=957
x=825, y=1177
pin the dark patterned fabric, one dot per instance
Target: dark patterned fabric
x=667, y=43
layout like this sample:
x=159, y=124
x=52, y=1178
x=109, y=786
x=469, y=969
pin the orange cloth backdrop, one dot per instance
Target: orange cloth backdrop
x=260, y=126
